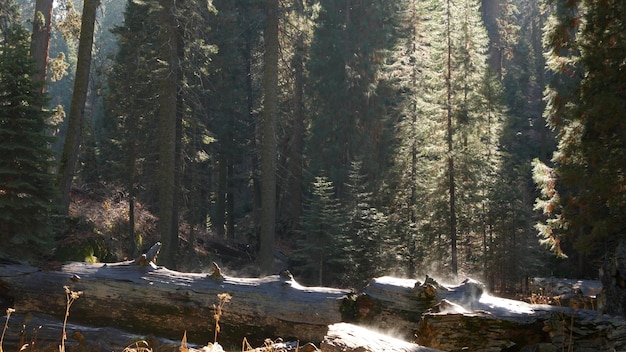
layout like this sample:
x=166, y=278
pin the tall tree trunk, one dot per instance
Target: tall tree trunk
x=220, y=199
x=77, y=108
x=230, y=200
x=268, y=156
x=291, y=201
x=167, y=127
x=40, y=41
x=451, y=185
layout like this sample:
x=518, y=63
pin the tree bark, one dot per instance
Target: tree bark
x=268, y=156
x=449, y=137
x=157, y=301
x=40, y=41
x=167, y=126
x=73, y=137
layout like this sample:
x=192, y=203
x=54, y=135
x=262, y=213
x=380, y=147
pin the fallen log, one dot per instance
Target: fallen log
x=466, y=318
x=394, y=304
x=521, y=327
x=40, y=332
x=147, y=299
x=344, y=337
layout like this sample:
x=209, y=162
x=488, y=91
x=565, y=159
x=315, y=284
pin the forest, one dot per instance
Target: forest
x=344, y=139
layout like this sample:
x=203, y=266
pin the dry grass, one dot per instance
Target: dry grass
x=70, y=297
x=223, y=298
x=6, y=325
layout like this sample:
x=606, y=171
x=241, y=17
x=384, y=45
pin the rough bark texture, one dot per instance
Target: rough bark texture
x=613, y=278
x=77, y=108
x=398, y=304
x=146, y=299
x=549, y=330
x=168, y=81
x=46, y=332
x=269, y=148
x=40, y=42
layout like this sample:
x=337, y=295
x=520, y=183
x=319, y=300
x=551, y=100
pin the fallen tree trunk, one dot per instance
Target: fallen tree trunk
x=142, y=298
x=344, y=337
x=393, y=304
x=40, y=332
x=146, y=299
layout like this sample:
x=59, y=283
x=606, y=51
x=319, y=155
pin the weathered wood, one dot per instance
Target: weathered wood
x=155, y=300
x=551, y=329
x=390, y=303
x=43, y=333
x=344, y=337
x=140, y=297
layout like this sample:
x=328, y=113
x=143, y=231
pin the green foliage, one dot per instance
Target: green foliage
x=26, y=184
x=322, y=251
x=368, y=249
x=584, y=203
x=346, y=88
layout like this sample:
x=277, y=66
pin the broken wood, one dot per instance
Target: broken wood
x=390, y=303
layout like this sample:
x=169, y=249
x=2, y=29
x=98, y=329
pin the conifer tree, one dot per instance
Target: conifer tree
x=322, y=248
x=26, y=190
x=583, y=192
x=368, y=248
x=127, y=145
x=349, y=46
x=449, y=132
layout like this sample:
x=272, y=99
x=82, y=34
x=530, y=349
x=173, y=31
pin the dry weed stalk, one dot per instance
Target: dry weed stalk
x=223, y=298
x=6, y=325
x=70, y=297
x=138, y=346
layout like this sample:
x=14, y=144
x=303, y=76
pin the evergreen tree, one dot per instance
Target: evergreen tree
x=322, y=249
x=348, y=103
x=229, y=99
x=449, y=127
x=40, y=42
x=127, y=144
x=167, y=129
x=583, y=194
x=369, y=248
x=26, y=184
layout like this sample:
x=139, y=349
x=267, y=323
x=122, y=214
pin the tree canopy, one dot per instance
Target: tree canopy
x=341, y=139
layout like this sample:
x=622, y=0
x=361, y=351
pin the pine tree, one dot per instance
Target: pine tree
x=26, y=189
x=322, y=249
x=583, y=193
x=346, y=87
x=449, y=122
x=127, y=143
x=269, y=145
x=369, y=248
